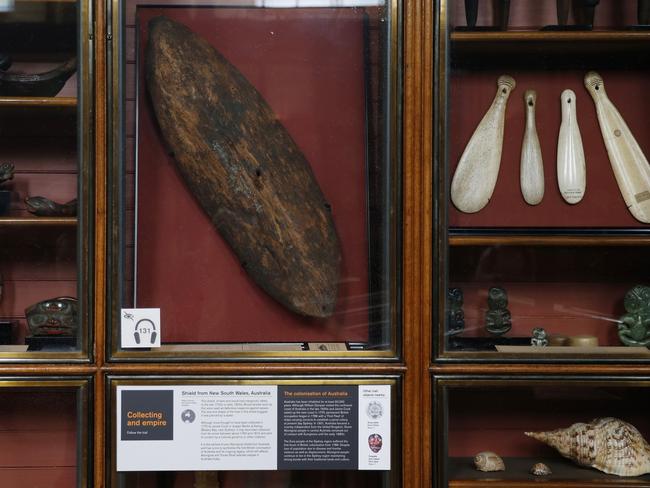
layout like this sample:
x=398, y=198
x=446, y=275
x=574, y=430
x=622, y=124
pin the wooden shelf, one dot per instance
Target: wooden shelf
x=596, y=46
x=39, y=222
x=583, y=37
x=565, y=475
x=38, y=102
x=548, y=240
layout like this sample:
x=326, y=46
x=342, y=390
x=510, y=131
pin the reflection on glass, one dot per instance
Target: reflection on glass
x=257, y=169
x=39, y=176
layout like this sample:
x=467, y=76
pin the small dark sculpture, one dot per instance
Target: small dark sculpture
x=44, y=207
x=6, y=174
x=497, y=319
x=583, y=12
x=455, y=314
x=5, y=61
x=46, y=84
x=539, y=338
x=53, y=317
x=634, y=326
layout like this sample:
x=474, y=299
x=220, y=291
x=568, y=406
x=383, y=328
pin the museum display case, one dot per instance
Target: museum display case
x=530, y=420
x=541, y=191
x=307, y=431
x=46, y=212
x=33, y=409
x=255, y=176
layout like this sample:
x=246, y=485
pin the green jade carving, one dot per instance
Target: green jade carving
x=634, y=326
x=497, y=318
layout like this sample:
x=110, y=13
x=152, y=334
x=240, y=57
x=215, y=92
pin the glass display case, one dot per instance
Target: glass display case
x=531, y=421
x=540, y=191
x=266, y=222
x=45, y=173
x=38, y=409
x=261, y=431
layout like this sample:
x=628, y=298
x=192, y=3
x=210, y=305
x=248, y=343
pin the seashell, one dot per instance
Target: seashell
x=540, y=469
x=607, y=444
x=488, y=461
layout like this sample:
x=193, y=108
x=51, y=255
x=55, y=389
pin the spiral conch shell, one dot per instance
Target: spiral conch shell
x=607, y=444
x=488, y=461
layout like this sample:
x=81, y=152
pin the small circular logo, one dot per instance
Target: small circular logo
x=375, y=410
x=617, y=133
x=188, y=416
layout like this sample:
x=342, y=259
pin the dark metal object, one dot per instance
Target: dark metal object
x=497, y=318
x=244, y=169
x=634, y=326
x=455, y=314
x=5, y=61
x=503, y=14
x=6, y=174
x=643, y=12
x=45, y=84
x=53, y=317
x=44, y=207
x=471, y=12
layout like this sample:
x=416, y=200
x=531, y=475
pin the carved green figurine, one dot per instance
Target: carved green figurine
x=634, y=326
x=497, y=318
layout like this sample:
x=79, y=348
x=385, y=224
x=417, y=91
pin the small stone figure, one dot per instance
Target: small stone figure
x=455, y=314
x=539, y=338
x=634, y=326
x=497, y=318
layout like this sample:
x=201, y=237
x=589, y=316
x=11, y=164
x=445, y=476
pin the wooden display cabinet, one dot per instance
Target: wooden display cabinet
x=566, y=268
x=45, y=134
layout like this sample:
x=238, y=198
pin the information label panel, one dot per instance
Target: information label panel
x=253, y=427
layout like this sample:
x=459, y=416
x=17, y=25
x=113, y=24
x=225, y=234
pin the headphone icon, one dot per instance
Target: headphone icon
x=136, y=334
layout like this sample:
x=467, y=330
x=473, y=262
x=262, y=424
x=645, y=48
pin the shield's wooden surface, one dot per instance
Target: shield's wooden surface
x=244, y=168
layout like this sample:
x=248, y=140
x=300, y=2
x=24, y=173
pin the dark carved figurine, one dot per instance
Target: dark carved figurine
x=502, y=13
x=497, y=318
x=6, y=172
x=53, y=317
x=44, y=207
x=634, y=326
x=45, y=84
x=455, y=314
x=244, y=168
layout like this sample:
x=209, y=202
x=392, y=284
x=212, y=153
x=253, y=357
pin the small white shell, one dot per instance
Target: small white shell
x=540, y=469
x=488, y=461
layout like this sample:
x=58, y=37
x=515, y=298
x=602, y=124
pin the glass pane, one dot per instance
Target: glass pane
x=30, y=415
x=510, y=410
x=265, y=222
x=44, y=139
x=543, y=243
